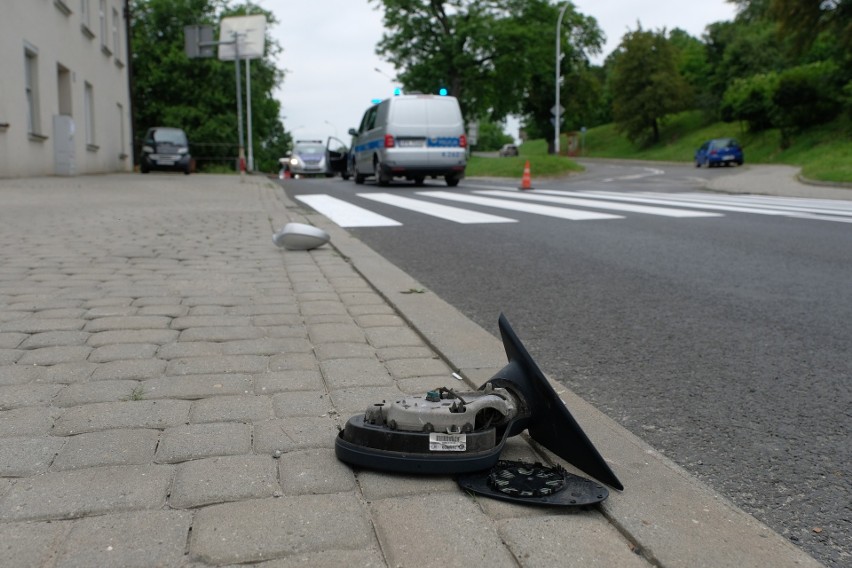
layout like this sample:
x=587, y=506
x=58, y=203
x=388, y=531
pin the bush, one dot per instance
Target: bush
x=751, y=100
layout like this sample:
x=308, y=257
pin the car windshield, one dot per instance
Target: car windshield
x=169, y=135
x=725, y=143
x=310, y=149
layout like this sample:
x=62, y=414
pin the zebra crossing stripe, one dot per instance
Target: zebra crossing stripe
x=650, y=210
x=842, y=209
x=446, y=212
x=345, y=214
x=547, y=210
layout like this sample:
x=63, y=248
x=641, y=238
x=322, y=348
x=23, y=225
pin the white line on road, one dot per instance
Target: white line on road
x=664, y=211
x=447, y=212
x=345, y=214
x=547, y=210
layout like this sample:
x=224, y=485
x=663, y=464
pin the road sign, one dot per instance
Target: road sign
x=553, y=110
x=250, y=31
x=198, y=41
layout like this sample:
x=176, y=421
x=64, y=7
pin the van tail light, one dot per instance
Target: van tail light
x=463, y=141
x=389, y=143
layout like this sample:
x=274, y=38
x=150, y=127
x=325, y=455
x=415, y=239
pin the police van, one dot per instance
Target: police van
x=411, y=137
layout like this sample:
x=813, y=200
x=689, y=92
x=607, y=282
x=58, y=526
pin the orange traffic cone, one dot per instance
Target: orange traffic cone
x=526, y=181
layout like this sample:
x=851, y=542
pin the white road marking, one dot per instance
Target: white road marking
x=447, y=212
x=547, y=210
x=345, y=214
x=664, y=211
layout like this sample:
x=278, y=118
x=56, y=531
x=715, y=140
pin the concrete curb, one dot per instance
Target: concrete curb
x=672, y=518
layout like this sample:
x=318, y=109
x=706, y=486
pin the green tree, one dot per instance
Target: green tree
x=496, y=56
x=646, y=85
x=491, y=136
x=199, y=95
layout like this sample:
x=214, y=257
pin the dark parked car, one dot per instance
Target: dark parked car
x=719, y=152
x=165, y=148
x=508, y=150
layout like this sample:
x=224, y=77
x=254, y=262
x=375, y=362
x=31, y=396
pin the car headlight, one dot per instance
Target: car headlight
x=183, y=150
x=294, y=161
x=148, y=149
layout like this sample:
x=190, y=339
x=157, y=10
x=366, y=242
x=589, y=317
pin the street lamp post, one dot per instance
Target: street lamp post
x=557, y=110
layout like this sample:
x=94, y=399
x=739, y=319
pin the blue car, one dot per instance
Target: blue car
x=719, y=152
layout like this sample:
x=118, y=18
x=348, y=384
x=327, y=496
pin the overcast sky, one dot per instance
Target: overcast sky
x=330, y=61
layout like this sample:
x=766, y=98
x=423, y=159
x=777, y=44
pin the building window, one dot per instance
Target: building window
x=31, y=86
x=102, y=14
x=86, y=19
x=123, y=144
x=63, y=7
x=89, y=114
x=116, y=35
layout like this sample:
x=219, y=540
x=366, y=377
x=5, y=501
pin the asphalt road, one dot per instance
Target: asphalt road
x=722, y=341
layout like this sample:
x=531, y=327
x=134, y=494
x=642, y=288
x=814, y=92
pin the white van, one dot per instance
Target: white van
x=410, y=136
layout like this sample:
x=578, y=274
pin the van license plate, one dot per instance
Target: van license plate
x=403, y=143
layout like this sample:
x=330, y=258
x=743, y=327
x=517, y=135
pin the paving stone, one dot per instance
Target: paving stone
x=263, y=529
x=187, y=322
x=110, y=301
x=10, y=356
x=67, y=373
x=222, y=479
x=243, y=408
x=126, y=414
x=158, y=301
x=349, y=402
x=327, y=351
x=392, y=353
x=302, y=403
x=407, y=529
x=91, y=491
x=171, y=311
x=155, y=336
x=586, y=538
x=12, y=340
x=296, y=433
x=271, y=329
x=369, y=309
x=39, y=325
x=109, y=447
x=99, y=391
x=264, y=346
x=20, y=457
x=189, y=442
x=55, y=355
x=220, y=333
x=217, y=300
x=25, y=545
x=139, y=539
x=290, y=309
x=369, y=558
x=16, y=396
x=207, y=311
x=284, y=381
x=314, y=471
x=123, y=352
x=376, y=485
x=185, y=349
x=422, y=367
x=347, y=373
x=135, y=369
x=419, y=385
x=110, y=311
x=60, y=313
x=322, y=308
x=355, y=299
x=292, y=361
x=193, y=387
x=392, y=337
x=335, y=333
x=27, y=421
x=128, y=322
x=55, y=339
x=379, y=320
x=19, y=374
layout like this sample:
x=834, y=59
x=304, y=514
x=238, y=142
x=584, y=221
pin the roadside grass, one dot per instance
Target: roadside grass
x=542, y=164
x=824, y=152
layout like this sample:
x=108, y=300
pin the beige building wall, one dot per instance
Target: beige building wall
x=64, y=94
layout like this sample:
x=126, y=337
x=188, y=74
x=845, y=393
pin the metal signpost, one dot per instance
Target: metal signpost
x=240, y=37
x=557, y=110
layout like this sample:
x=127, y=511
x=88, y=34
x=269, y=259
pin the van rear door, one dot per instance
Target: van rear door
x=445, y=131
